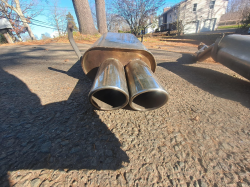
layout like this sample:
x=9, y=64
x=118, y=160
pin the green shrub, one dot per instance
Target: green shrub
x=2, y=39
x=246, y=22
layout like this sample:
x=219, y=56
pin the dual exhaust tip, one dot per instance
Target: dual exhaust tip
x=113, y=88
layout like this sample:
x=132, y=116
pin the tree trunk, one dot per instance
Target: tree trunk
x=29, y=31
x=14, y=38
x=101, y=16
x=25, y=23
x=8, y=38
x=57, y=27
x=19, y=37
x=84, y=17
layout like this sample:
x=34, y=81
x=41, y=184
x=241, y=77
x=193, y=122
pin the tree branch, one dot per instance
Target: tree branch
x=8, y=5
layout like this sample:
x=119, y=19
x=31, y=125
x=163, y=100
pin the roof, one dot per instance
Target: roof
x=5, y=24
x=173, y=7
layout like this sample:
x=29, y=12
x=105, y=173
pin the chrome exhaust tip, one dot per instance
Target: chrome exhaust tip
x=109, y=90
x=146, y=93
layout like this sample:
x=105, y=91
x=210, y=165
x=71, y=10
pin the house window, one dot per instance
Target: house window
x=161, y=20
x=212, y=4
x=195, y=7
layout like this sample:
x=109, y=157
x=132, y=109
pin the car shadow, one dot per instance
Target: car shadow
x=214, y=82
x=61, y=135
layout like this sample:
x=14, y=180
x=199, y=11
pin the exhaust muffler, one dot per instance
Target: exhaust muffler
x=146, y=93
x=109, y=90
x=231, y=51
x=104, y=63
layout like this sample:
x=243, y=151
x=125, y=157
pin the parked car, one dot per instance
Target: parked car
x=249, y=30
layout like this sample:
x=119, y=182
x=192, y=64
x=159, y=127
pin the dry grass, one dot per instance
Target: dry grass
x=149, y=42
x=165, y=42
x=210, y=60
x=79, y=38
x=156, y=42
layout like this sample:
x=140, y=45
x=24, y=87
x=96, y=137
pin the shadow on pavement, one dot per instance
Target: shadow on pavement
x=63, y=135
x=214, y=82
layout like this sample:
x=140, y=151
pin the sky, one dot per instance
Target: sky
x=43, y=21
x=43, y=18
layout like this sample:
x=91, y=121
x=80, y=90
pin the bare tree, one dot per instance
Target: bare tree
x=116, y=23
x=8, y=38
x=152, y=22
x=13, y=19
x=45, y=36
x=26, y=37
x=238, y=5
x=30, y=11
x=57, y=18
x=136, y=13
x=241, y=8
x=84, y=17
x=17, y=8
x=101, y=16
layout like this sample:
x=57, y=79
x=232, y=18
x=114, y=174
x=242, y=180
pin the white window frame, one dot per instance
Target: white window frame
x=211, y=5
x=195, y=7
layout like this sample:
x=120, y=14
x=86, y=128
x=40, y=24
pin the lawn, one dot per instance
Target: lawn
x=229, y=27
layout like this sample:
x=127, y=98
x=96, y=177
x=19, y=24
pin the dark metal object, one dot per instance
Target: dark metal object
x=204, y=52
x=233, y=51
x=109, y=90
x=72, y=41
x=146, y=92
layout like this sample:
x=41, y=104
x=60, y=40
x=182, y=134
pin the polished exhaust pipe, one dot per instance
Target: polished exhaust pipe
x=146, y=93
x=109, y=90
x=104, y=63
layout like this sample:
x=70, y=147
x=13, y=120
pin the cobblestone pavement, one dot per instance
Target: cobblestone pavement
x=50, y=135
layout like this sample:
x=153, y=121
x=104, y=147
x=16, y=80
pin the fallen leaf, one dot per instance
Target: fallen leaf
x=196, y=118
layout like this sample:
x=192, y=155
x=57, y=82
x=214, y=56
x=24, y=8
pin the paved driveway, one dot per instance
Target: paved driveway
x=50, y=135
